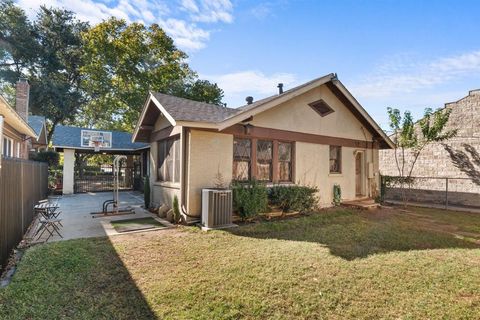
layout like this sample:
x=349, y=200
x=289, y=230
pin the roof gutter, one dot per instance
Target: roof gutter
x=13, y=119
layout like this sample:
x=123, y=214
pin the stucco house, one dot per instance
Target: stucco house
x=314, y=134
x=18, y=135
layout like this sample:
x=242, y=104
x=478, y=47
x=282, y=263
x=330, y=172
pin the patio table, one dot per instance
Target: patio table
x=47, y=210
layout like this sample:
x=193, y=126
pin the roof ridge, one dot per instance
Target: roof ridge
x=196, y=101
x=85, y=128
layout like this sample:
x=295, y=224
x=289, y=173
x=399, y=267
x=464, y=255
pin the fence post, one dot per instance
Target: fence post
x=446, y=193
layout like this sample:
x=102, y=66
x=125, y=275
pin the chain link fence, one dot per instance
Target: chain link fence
x=439, y=191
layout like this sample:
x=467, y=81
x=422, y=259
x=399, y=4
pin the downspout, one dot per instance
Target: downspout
x=183, y=183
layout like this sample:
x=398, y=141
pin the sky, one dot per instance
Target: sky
x=402, y=54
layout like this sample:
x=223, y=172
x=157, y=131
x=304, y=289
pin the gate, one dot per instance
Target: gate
x=100, y=178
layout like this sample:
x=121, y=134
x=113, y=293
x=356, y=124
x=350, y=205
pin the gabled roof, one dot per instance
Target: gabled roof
x=188, y=110
x=13, y=119
x=38, y=124
x=70, y=137
x=200, y=114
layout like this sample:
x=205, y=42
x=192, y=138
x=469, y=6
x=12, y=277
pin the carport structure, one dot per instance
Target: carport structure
x=75, y=141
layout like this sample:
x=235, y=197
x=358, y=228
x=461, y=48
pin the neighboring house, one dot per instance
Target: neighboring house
x=455, y=158
x=38, y=124
x=315, y=134
x=15, y=131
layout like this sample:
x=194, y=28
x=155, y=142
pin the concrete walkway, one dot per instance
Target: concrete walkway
x=79, y=223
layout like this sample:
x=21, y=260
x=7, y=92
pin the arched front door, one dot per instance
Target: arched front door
x=359, y=174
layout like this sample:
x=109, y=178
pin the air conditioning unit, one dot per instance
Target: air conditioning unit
x=217, y=209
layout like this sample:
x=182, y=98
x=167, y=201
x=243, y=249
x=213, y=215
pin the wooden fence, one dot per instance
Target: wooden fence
x=22, y=184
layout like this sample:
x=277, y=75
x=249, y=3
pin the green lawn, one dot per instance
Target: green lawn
x=337, y=264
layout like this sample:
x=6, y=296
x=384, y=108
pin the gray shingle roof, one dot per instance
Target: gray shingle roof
x=189, y=110
x=37, y=123
x=66, y=136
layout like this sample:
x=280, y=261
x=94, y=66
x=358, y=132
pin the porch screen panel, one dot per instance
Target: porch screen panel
x=176, y=146
x=161, y=160
x=169, y=160
x=264, y=160
x=285, y=161
x=242, y=152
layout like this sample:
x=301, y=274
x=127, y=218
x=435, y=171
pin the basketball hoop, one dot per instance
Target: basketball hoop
x=96, y=146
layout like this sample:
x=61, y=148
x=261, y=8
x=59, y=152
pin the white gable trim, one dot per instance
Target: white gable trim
x=151, y=98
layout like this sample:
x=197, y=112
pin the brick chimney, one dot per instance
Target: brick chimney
x=22, y=98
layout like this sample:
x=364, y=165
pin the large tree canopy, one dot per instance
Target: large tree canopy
x=125, y=61
x=48, y=52
x=97, y=77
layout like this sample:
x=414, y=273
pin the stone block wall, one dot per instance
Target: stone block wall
x=458, y=157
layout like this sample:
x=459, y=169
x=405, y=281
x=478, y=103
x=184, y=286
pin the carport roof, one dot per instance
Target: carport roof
x=68, y=137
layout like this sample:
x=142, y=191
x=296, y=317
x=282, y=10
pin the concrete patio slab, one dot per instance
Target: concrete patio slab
x=78, y=221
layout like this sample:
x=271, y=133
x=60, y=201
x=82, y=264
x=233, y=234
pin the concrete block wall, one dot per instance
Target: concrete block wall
x=457, y=157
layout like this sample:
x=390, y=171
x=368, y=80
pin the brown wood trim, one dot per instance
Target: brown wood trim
x=275, y=161
x=164, y=133
x=294, y=161
x=277, y=134
x=253, y=159
x=12, y=133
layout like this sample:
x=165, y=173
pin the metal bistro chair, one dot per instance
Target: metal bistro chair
x=48, y=221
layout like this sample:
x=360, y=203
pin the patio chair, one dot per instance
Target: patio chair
x=50, y=226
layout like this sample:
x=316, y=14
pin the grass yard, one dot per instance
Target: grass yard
x=336, y=264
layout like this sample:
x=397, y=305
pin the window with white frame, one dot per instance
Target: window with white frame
x=18, y=149
x=7, y=147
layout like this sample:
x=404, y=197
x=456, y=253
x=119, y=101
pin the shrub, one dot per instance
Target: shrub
x=337, y=194
x=146, y=192
x=176, y=210
x=49, y=156
x=297, y=198
x=250, y=198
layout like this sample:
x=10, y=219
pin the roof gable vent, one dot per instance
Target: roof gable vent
x=321, y=107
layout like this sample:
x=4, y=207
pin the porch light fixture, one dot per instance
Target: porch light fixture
x=248, y=128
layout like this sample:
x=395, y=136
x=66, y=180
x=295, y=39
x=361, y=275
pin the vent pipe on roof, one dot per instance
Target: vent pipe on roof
x=280, y=88
x=249, y=100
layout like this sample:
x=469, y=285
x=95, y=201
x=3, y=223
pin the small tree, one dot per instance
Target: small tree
x=411, y=138
x=176, y=210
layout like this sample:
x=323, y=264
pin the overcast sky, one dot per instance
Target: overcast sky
x=404, y=54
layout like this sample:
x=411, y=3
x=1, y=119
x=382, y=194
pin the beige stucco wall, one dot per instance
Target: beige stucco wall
x=297, y=115
x=312, y=168
x=161, y=123
x=209, y=153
